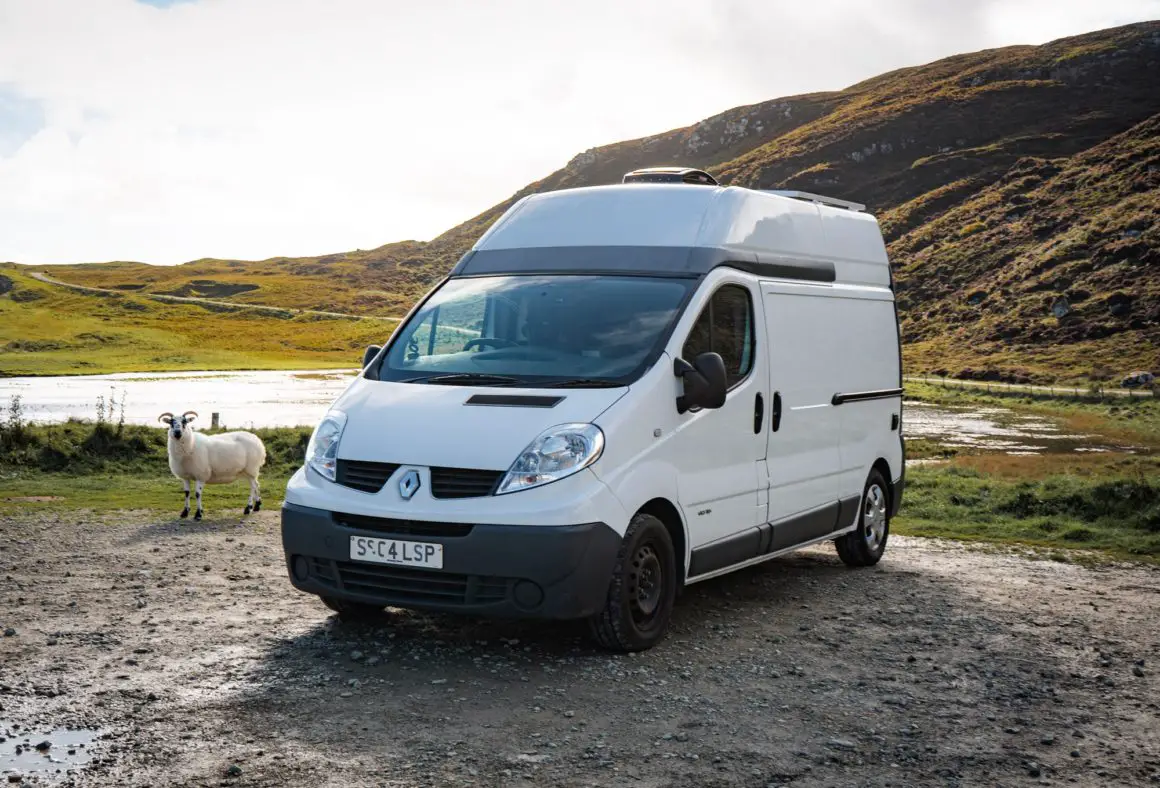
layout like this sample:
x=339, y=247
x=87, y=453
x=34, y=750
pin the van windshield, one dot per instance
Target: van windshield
x=536, y=330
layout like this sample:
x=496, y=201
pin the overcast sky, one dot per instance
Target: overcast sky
x=168, y=130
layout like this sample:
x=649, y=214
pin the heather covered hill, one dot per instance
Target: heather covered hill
x=1017, y=188
x=1054, y=266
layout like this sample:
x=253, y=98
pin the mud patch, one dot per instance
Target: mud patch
x=44, y=755
x=1001, y=430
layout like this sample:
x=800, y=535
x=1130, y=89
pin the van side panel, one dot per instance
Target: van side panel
x=805, y=372
x=870, y=429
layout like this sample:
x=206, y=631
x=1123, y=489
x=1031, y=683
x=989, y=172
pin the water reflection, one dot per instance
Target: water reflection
x=277, y=398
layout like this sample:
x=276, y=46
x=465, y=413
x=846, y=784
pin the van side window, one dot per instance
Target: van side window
x=725, y=326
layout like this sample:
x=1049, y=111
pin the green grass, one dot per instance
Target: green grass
x=49, y=330
x=1108, y=505
x=102, y=466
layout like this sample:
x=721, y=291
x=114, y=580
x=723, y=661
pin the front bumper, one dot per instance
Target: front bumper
x=522, y=571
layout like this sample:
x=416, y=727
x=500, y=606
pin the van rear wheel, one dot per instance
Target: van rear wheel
x=865, y=544
x=643, y=589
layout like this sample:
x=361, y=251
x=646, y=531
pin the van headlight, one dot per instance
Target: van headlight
x=555, y=454
x=322, y=451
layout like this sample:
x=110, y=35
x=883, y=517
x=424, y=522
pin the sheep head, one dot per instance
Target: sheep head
x=179, y=428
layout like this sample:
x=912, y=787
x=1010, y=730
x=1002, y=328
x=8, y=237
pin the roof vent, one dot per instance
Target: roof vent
x=670, y=175
x=833, y=202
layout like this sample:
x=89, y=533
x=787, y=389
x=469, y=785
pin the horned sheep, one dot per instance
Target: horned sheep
x=213, y=459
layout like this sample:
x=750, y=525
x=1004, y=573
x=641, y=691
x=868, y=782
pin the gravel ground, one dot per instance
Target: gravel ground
x=186, y=649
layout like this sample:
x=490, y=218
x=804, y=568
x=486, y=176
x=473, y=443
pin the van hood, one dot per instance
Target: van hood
x=432, y=425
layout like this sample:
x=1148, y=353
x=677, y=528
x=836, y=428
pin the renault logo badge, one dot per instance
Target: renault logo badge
x=409, y=485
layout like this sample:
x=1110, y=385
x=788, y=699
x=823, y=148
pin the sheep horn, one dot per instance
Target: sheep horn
x=194, y=412
x=163, y=415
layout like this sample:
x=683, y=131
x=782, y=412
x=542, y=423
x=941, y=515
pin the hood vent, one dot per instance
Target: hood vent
x=514, y=401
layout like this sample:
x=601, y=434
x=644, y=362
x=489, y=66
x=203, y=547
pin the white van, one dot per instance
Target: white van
x=619, y=391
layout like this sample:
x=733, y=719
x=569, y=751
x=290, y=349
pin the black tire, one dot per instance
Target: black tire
x=643, y=589
x=865, y=544
x=352, y=611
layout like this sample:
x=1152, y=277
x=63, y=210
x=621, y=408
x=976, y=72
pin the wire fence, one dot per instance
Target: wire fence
x=1026, y=390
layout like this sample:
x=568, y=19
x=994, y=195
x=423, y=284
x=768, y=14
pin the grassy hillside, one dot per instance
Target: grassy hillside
x=50, y=330
x=383, y=281
x=1055, y=265
x=1004, y=179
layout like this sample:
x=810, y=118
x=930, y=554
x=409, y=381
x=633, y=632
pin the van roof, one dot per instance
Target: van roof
x=677, y=229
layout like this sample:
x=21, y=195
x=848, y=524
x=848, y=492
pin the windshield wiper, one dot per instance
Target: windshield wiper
x=467, y=379
x=578, y=383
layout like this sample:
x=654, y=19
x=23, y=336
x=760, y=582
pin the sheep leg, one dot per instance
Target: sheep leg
x=257, y=494
x=185, y=511
x=250, y=503
x=198, y=513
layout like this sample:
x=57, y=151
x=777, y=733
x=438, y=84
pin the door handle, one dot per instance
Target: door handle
x=758, y=413
x=776, y=420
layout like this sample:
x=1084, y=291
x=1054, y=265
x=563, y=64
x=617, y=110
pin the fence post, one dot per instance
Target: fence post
x=214, y=420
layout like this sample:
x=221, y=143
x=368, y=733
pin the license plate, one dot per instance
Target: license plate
x=393, y=551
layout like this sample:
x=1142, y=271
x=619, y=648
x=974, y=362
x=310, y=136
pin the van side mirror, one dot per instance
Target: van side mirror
x=370, y=353
x=705, y=382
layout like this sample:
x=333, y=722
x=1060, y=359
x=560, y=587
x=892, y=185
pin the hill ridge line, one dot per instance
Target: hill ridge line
x=48, y=280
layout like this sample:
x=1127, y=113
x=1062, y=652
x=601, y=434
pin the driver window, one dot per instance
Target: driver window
x=448, y=328
x=725, y=326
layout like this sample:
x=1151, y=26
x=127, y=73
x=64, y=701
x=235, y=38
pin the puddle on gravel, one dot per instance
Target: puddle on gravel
x=71, y=749
x=1001, y=430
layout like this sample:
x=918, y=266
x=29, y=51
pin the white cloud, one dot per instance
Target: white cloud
x=251, y=128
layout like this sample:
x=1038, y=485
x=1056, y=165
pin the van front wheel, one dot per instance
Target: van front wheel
x=643, y=589
x=353, y=612
x=865, y=544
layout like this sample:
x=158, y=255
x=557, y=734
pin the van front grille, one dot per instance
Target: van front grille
x=463, y=482
x=445, y=482
x=394, y=585
x=386, y=525
x=365, y=476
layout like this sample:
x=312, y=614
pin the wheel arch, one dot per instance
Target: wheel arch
x=883, y=467
x=668, y=513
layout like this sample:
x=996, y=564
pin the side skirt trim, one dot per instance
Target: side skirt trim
x=768, y=556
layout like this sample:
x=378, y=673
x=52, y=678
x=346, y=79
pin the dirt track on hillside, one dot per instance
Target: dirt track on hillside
x=185, y=644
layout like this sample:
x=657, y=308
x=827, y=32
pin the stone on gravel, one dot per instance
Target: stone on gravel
x=44, y=746
x=842, y=744
x=15, y=777
x=356, y=656
x=234, y=771
x=9, y=632
x=1137, y=671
